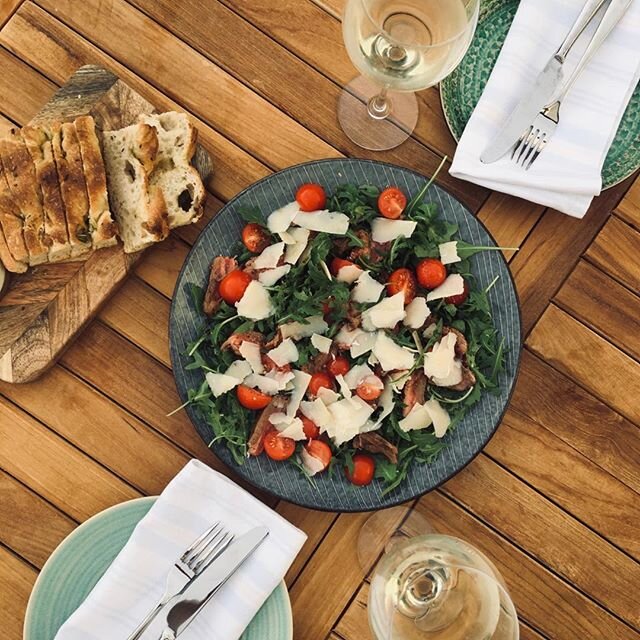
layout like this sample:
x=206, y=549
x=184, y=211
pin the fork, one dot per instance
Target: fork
x=197, y=557
x=535, y=138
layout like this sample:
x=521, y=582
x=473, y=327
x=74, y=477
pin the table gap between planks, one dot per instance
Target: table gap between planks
x=554, y=495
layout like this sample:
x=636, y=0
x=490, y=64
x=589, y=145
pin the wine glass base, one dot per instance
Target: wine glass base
x=376, y=133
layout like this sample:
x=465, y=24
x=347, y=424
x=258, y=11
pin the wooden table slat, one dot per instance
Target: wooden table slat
x=629, y=207
x=16, y=578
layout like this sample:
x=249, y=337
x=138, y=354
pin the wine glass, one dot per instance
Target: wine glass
x=429, y=586
x=399, y=46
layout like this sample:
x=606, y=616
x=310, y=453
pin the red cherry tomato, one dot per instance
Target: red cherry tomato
x=254, y=237
x=233, y=286
x=431, y=273
x=338, y=366
x=402, y=280
x=364, y=467
x=311, y=197
x=252, y=398
x=310, y=428
x=319, y=380
x=460, y=298
x=277, y=447
x=369, y=389
x=392, y=202
x=338, y=263
x=319, y=450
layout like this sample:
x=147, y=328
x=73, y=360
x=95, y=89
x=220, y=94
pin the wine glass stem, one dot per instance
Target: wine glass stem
x=379, y=106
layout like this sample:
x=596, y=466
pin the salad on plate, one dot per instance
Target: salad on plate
x=347, y=335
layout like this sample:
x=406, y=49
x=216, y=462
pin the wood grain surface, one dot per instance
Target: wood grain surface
x=553, y=499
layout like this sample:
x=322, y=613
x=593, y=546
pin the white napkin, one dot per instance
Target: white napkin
x=195, y=499
x=566, y=176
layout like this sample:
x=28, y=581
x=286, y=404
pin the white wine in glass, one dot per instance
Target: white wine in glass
x=399, y=46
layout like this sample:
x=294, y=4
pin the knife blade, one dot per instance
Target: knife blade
x=181, y=611
x=544, y=87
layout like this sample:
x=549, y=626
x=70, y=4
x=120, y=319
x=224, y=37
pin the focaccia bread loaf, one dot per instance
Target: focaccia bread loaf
x=13, y=250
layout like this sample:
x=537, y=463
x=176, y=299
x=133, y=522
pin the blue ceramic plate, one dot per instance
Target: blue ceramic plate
x=221, y=237
x=82, y=558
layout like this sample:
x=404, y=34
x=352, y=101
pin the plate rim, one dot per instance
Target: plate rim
x=173, y=356
x=28, y=614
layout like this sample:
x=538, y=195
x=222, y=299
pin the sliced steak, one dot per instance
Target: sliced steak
x=375, y=443
x=234, y=341
x=318, y=363
x=262, y=426
x=220, y=267
x=275, y=341
x=462, y=345
x=414, y=390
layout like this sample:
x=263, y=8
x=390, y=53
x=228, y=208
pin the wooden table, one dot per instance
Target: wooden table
x=553, y=499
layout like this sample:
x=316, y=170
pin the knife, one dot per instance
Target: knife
x=181, y=611
x=542, y=90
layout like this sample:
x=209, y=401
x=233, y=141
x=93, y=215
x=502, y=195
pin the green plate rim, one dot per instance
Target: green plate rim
x=26, y=627
x=447, y=117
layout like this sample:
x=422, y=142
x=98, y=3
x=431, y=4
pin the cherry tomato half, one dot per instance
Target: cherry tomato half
x=277, y=447
x=392, y=202
x=311, y=197
x=370, y=388
x=318, y=380
x=460, y=298
x=310, y=428
x=319, y=450
x=254, y=237
x=364, y=467
x=338, y=366
x=233, y=286
x=403, y=280
x=431, y=273
x=252, y=398
x=338, y=263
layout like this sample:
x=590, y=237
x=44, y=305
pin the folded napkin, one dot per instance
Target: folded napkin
x=195, y=499
x=566, y=175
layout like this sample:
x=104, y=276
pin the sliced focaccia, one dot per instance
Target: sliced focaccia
x=13, y=250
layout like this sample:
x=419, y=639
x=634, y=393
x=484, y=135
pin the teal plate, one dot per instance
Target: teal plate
x=82, y=558
x=461, y=91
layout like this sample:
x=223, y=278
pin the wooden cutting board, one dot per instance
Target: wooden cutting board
x=46, y=307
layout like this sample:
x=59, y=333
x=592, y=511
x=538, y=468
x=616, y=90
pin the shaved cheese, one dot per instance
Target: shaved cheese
x=345, y=338
x=439, y=415
x=281, y=219
x=255, y=304
x=439, y=361
x=316, y=411
x=294, y=251
x=310, y=463
x=284, y=353
x=286, y=237
x=417, y=313
x=321, y=343
x=372, y=360
x=349, y=274
x=430, y=330
x=372, y=381
x=269, y=277
x=324, y=267
x=386, y=403
x=281, y=377
x=220, y=383
x=367, y=289
x=391, y=355
x=363, y=343
x=383, y=230
x=348, y=416
x=279, y=418
x=239, y=369
x=449, y=252
x=300, y=383
x=386, y=314
x=344, y=387
x=263, y=383
x=328, y=396
x=250, y=351
x=298, y=330
x=397, y=379
x=356, y=375
x=325, y=221
x=270, y=257
x=418, y=418
x=294, y=430
x=452, y=286
x=452, y=378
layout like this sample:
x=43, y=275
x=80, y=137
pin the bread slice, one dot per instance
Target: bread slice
x=103, y=229
x=13, y=250
x=66, y=152
x=139, y=207
x=20, y=174
x=38, y=143
x=181, y=184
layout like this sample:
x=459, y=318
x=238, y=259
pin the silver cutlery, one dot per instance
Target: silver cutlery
x=182, y=610
x=535, y=137
x=541, y=92
x=202, y=552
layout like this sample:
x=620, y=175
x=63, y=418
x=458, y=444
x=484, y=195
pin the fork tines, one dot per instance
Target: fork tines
x=529, y=146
